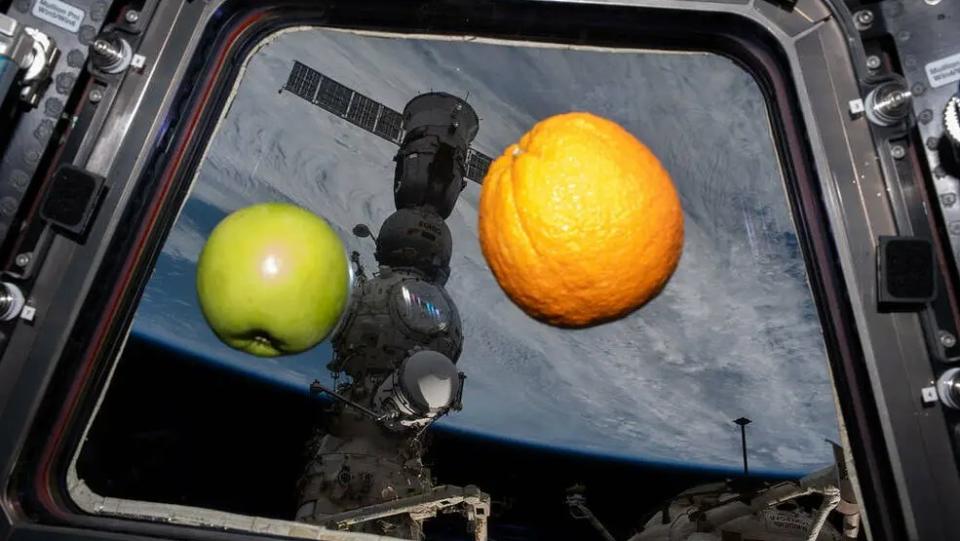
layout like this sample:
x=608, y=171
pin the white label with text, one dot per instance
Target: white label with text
x=59, y=13
x=944, y=71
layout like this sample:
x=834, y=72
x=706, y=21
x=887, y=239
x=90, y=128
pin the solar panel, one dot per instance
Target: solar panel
x=366, y=113
x=363, y=112
x=303, y=81
x=477, y=165
x=333, y=97
x=389, y=125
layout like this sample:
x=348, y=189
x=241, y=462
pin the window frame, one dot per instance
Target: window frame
x=802, y=60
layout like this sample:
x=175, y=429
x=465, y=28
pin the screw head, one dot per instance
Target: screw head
x=864, y=19
x=132, y=16
x=7, y=206
x=22, y=260
x=898, y=152
x=95, y=95
x=925, y=116
x=20, y=180
x=918, y=89
x=947, y=340
x=873, y=61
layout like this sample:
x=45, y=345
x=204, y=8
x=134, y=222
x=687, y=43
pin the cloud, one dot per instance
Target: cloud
x=185, y=241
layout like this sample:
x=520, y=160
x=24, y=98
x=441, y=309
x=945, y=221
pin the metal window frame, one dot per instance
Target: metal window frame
x=839, y=189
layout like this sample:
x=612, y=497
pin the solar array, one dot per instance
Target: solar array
x=364, y=112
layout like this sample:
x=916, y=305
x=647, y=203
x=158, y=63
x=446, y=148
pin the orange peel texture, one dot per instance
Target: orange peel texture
x=579, y=221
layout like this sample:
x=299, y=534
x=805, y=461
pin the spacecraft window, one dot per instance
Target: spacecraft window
x=735, y=332
x=422, y=307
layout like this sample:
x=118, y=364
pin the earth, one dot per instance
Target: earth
x=735, y=332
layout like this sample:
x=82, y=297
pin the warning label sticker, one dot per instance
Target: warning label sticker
x=59, y=13
x=944, y=71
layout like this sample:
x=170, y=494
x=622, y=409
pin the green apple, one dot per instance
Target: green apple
x=273, y=279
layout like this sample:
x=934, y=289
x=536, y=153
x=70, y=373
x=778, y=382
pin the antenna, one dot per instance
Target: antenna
x=743, y=422
x=361, y=230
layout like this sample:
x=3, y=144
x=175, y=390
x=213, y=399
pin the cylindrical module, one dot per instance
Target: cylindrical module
x=431, y=162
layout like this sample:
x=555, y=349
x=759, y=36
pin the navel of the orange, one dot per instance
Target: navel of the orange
x=579, y=221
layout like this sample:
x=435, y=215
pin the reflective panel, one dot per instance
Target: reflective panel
x=422, y=307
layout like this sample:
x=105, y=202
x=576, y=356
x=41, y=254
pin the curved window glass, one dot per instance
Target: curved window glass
x=734, y=334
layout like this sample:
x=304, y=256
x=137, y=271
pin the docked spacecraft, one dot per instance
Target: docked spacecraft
x=401, y=336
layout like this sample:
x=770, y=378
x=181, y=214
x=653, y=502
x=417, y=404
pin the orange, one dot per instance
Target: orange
x=579, y=221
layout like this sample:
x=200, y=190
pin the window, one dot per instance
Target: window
x=735, y=333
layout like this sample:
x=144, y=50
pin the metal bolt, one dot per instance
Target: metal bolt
x=898, y=152
x=873, y=61
x=947, y=340
x=925, y=116
x=863, y=19
x=22, y=260
x=111, y=53
x=132, y=16
x=918, y=89
x=929, y=395
x=105, y=48
x=11, y=301
x=948, y=388
x=95, y=95
x=888, y=104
